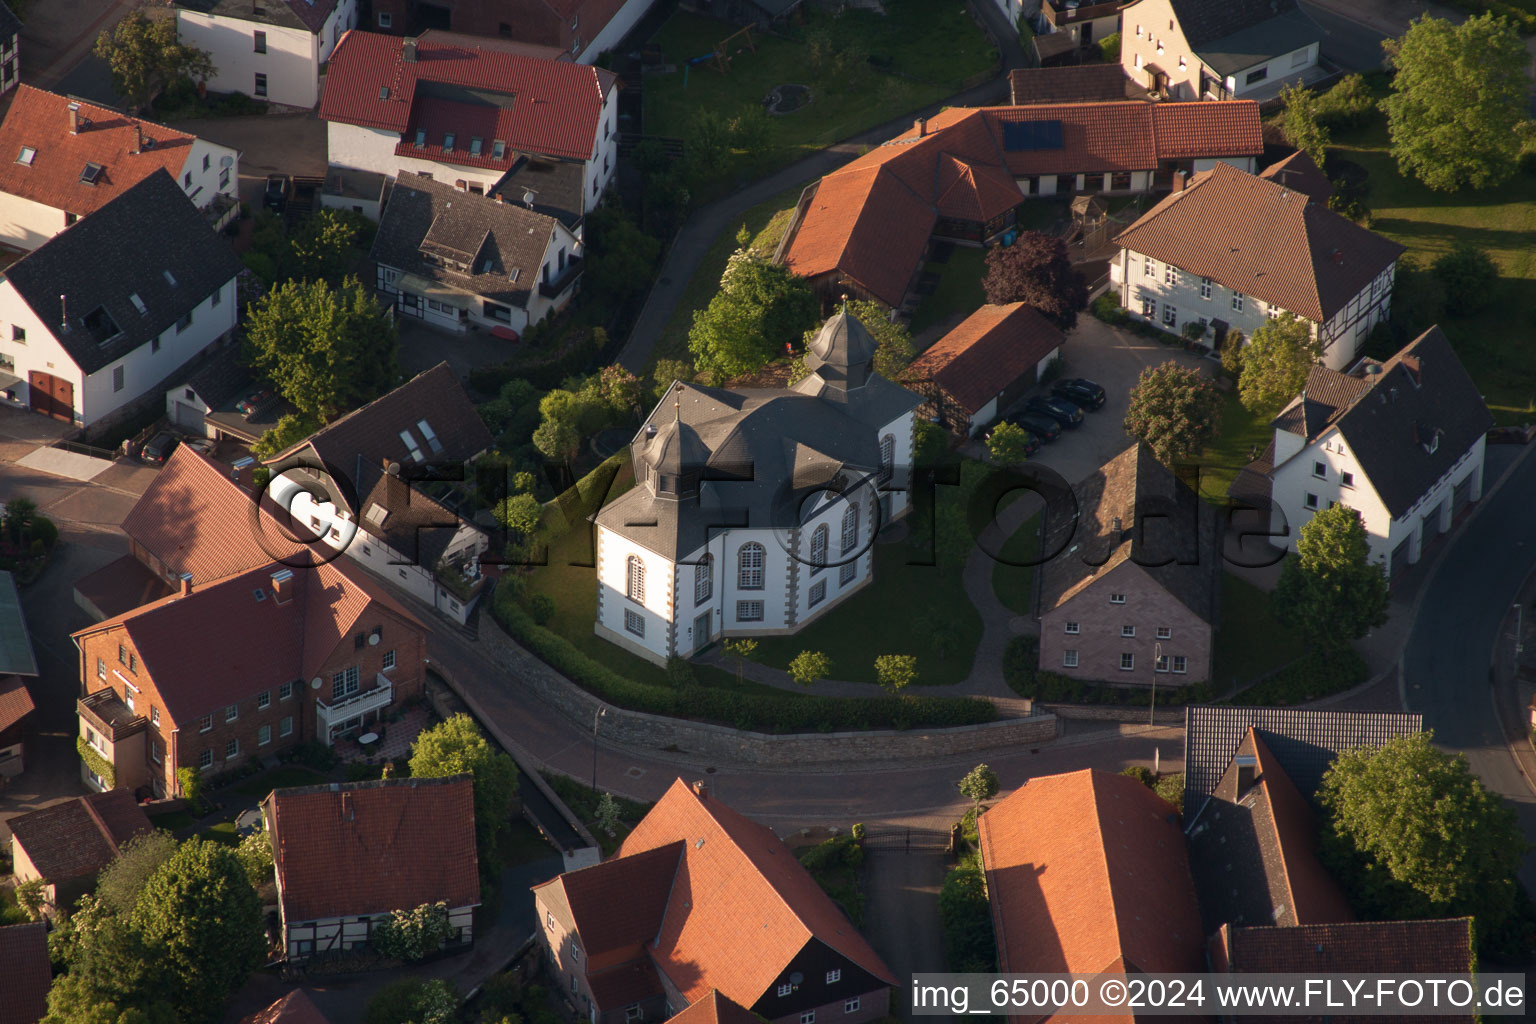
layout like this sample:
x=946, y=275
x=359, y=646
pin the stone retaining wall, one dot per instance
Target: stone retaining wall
x=643, y=731
x=1115, y=713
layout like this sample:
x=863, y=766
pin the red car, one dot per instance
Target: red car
x=254, y=402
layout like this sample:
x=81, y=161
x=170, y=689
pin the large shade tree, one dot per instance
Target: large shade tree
x=1275, y=363
x=761, y=308
x=1175, y=409
x=1036, y=269
x=145, y=55
x=1330, y=590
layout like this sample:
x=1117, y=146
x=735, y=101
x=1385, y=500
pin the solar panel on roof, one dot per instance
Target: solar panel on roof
x=1021, y=136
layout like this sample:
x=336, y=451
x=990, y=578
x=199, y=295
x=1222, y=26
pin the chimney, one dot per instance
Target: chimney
x=186, y=584
x=1180, y=180
x=74, y=119
x=282, y=586
x=138, y=138
x=498, y=198
x=921, y=127
x=408, y=51
x=1247, y=769
x=702, y=789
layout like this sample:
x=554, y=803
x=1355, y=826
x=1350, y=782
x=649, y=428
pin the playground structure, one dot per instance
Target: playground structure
x=720, y=56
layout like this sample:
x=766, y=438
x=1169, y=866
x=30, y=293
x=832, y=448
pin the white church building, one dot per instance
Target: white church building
x=755, y=509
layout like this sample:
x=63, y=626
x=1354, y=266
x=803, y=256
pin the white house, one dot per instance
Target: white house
x=756, y=509
x=384, y=827
x=352, y=483
x=1400, y=442
x=96, y=318
x=459, y=261
x=476, y=117
x=1233, y=250
x=270, y=49
x=72, y=158
x=1199, y=49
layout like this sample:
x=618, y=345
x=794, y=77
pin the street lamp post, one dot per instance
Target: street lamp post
x=601, y=712
x=1519, y=617
x=1157, y=656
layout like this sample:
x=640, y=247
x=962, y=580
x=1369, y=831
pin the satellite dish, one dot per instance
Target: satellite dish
x=394, y=469
x=314, y=684
x=373, y=639
x=226, y=161
x=796, y=978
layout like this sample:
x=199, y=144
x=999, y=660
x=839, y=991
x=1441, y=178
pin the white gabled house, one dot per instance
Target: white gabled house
x=270, y=49
x=1400, y=442
x=95, y=319
x=1233, y=250
x=755, y=510
x=1217, y=49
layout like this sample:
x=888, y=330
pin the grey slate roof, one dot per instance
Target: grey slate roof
x=416, y=526
x=1390, y=419
x=1154, y=510
x=220, y=378
x=125, y=248
x=768, y=448
x=1205, y=21
x=428, y=220
x=556, y=185
x=1284, y=33
x=1303, y=740
x=283, y=13
x=10, y=25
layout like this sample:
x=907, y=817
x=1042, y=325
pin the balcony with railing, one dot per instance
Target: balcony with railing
x=1062, y=13
x=348, y=713
x=105, y=711
x=558, y=283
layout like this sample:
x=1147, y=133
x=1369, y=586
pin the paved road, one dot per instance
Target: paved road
x=1348, y=43
x=1446, y=662
x=708, y=222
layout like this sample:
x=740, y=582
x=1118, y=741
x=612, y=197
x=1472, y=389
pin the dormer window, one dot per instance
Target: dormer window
x=448, y=142
x=474, y=146
x=498, y=149
x=91, y=174
x=28, y=154
x=421, y=138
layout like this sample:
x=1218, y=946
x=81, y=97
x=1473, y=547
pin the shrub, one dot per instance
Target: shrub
x=261, y=264
x=541, y=607
x=1469, y=276
x=412, y=934
x=1347, y=105
x=680, y=672
x=969, y=944
x=1109, y=48
x=1316, y=675
x=749, y=711
x=1022, y=672
x=1171, y=788
x=1141, y=775
x=1107, y=308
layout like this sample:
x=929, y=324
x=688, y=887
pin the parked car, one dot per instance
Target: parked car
x=1043, y=427
x=1080, y=390
x=254, y=402
x=1060, y=410
x=278, y=189
x=158, y=448
x=202, y=445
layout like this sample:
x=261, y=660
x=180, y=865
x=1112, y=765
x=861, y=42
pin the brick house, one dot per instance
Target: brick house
x=404, y=842
x=1086, y=874
x=986, y=362
x=1134, y=593
x=68, y=843
x=243, y=666
x=701, y=903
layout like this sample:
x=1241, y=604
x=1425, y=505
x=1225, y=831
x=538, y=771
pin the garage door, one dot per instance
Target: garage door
x=1399, y=560
x=1461, y=497
x=189, y=417
x=1431, y=524
x=51, y=396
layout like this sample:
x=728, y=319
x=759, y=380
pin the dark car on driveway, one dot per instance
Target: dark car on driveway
x=1080, y=391
x=1058, y=409
x=276, y=197
x=158, y=448
x=1042, y=427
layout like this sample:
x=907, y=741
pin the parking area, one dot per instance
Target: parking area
x=1114, y=359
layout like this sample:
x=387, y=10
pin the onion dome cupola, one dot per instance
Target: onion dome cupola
x=843, y=352
x=673, y=457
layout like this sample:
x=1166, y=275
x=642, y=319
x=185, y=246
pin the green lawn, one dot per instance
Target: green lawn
x=1494, y=345
x=1013, y=582
x=1243, y=438
x=959, y=289
x=284, y=777
x=224, y=832
x=920, y=52
x=1249, y=642
x=766, y=221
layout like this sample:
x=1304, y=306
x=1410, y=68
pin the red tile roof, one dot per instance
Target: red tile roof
x=196, y=520
x=714, y=1008
x=40, y=120
x=1087, y=872
x=222, y=644
x=294, y=1008
x=988, y=351
x=871, y=219
x=363, y=848
x=80, y=836
x=1260, y=238
x=555, y=109
x=15, y=701
x=618, y=905
x=24, y=952
x=740, y=907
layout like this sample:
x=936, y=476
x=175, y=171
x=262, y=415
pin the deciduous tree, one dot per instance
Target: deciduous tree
x=621, y=258
x=144, y=55
x=521, y=512
x=328, y=245
x=1036, y=269
x=980, y=783
x=1330, y=590
x=1176, y=410
x=456, y=745
x=893, y=341
x=413, y=1001
x=741, y=648
x=1414, y=833
x=1275, y=363
x=111, y=976
x=1300, y=122
x=1459, y=96
x=1008, y=443
x=557, y=440
x=1469, y=277
x=808, y=666
x=120, y=882
x=896, y=671
x=761, y=307
x=327, y=350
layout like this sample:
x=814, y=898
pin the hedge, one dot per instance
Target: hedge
x=969, y=944
x=1318, y=674
x=754, y=712
x=1022, y=671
